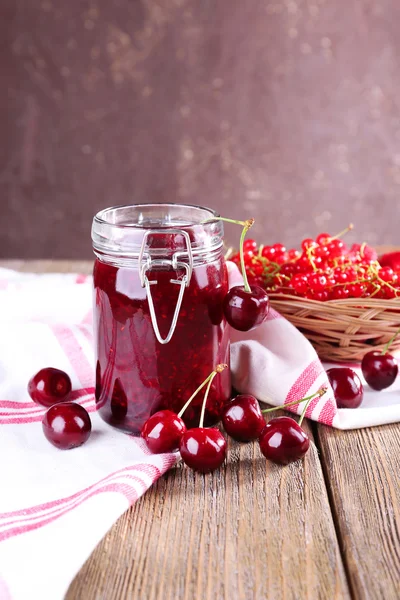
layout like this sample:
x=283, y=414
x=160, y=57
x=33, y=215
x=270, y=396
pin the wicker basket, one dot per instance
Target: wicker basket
x=342, y=330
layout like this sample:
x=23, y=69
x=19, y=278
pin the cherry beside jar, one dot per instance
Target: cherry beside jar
x=160, y=279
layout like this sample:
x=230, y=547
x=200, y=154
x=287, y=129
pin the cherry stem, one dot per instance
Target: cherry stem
x=390, y=342
x=218, y=369
x=195, y=394
x=203, y=408
x=234, y=221
x=320, y=393
x=243, y=266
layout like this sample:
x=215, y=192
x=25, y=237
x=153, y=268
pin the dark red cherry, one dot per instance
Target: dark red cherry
x=246, y=310
x=347, y=387
x=283, y=440
x=242, y=418
x=203, y=449
x=67, y=425
x=380, y=370
x=49, y=386
x=162, y=431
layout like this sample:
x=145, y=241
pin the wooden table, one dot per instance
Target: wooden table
x=324, y=528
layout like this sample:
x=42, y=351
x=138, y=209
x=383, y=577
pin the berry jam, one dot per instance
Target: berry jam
x=136, y=375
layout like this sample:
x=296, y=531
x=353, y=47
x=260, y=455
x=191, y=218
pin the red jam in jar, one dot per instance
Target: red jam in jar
x=159, y=282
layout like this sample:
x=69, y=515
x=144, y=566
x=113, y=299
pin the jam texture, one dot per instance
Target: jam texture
x=136, y=375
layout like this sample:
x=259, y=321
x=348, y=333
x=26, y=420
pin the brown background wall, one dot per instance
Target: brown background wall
x=285, y=110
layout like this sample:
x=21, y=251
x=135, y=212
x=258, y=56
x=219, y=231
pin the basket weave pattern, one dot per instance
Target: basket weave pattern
x=342, y=330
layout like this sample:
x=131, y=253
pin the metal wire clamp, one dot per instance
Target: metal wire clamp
x=146, y=263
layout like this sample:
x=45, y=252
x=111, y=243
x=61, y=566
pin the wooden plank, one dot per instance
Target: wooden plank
x=251, y=530
x=362, y=469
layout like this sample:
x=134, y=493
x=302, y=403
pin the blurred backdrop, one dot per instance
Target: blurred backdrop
x=288, y=111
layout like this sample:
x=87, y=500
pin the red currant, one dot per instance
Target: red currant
x=279, y=248
x=303, y=264
x=321, y=296
x=307, y=243
x=268, y=252
x=321, y=251
x=288, y=269
x=387, y=274
x=323, y=238
x=317, y=282
x=356, y=290
x=299, y=283
x=336, y=248
x=339, y=293
x=250, y=245
x=293, y=254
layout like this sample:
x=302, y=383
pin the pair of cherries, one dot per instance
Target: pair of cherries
x=380, y=370
x=282, y=440
x=66, y=424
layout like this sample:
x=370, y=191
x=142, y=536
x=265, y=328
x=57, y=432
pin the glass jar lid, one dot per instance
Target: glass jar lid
x=121, y=231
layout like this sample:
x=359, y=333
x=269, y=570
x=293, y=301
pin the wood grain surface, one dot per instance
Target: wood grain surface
x=362, y=470
x=326, y=528
x=251, y=530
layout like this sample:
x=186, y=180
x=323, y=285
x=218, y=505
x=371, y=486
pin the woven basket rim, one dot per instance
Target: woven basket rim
x=362, y=303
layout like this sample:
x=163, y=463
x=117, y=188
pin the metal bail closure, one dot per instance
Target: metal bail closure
x=176, y=264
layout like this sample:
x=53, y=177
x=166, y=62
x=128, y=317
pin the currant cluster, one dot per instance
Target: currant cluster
x=66, y=424
x=324, y=269
x=281, y=440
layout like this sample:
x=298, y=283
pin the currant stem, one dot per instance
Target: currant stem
x=390, y=342
x=339, y=235
x=309, y=253
x=320, y=393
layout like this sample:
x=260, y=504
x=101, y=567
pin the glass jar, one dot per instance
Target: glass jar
x=159, y=282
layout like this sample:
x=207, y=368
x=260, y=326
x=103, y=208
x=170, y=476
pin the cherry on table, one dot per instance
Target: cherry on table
x=283, y=440
x=203, y=449
x=49, y=386
x=379, y=370
x=67, y=425
x=242, y=418
x=162, y=431
x=246, y=310
x=347, y=387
